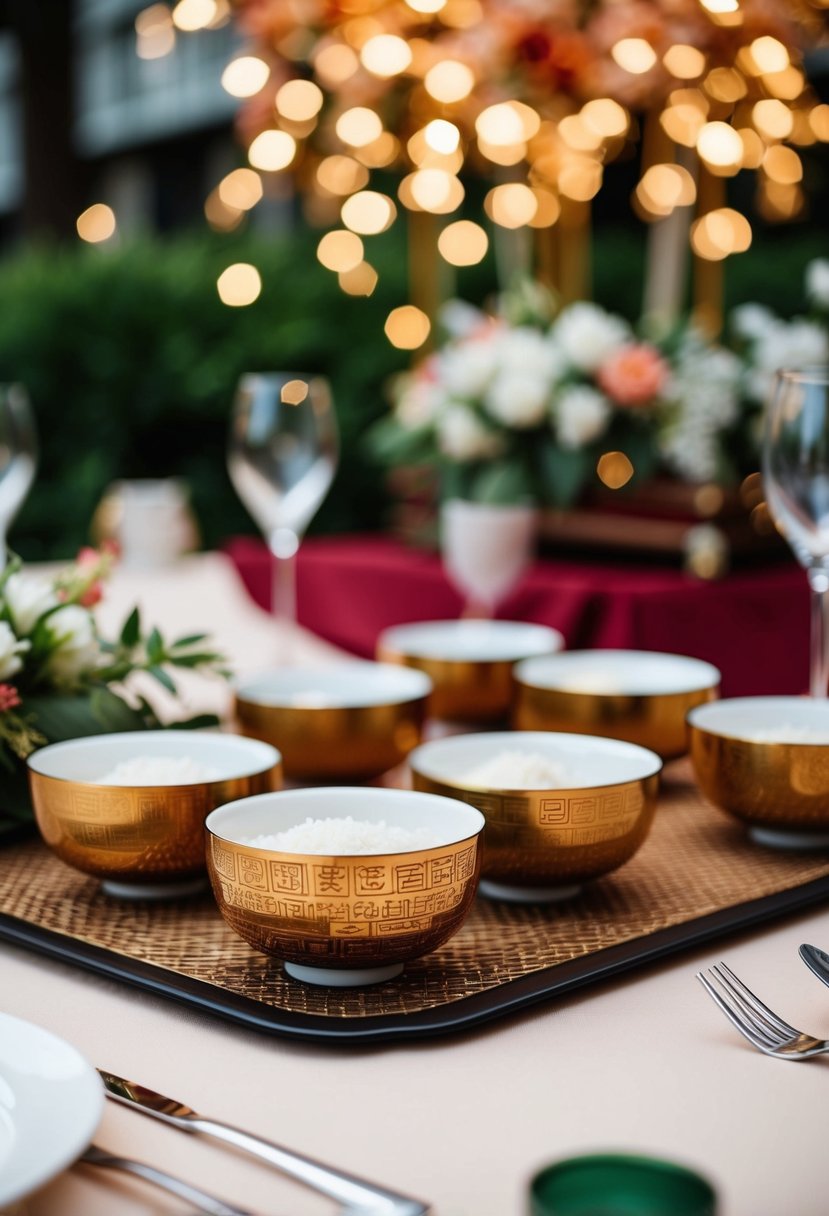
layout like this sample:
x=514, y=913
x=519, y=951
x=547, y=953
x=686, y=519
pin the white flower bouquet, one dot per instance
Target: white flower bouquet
x=767, y=342
x=520, y=407
x=60, y=680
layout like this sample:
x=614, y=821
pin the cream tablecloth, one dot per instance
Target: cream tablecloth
x=645, y=1064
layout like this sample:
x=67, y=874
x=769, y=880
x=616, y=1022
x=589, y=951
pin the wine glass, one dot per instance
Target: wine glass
x=18, y=455
x=796, y=483
x=282, y=456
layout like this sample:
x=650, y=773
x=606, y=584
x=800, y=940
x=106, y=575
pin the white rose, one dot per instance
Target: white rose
x=466, y=369
x=28, y=598
x=817, y=282
x=10, y=651
x=581, y=415
x=588, y=335
x=518, y=399
x=419, y=403
x=530, y=353
x=76, y=650
x=462, y=435
x=752, y=321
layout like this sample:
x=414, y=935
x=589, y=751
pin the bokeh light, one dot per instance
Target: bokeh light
x=407, y=327
x=272, y=151
x=96, y=224
x=239, y=285
x=340, y=250
x=463, y=243
x=245, y=76
x=368, y=212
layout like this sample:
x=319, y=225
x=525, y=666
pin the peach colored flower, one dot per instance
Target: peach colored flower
x=633, y=375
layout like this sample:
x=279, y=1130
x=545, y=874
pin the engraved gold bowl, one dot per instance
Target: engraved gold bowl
x=640, y=696
x=145, y=842
x=541, y=845
x=765, y=761
x=344, y=920
x=469, y=662
x=349, y=721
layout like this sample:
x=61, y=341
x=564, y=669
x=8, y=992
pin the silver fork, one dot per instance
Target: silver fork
x=763, y=1028
x=176, y=1186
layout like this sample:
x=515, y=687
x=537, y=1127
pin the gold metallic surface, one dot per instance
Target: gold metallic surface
x=780, y=785
x=539, y=838
x=655, y=720
x=344, y=912
x=695, y=862
x=356, y=742
x=144, y=834
x=465, y=690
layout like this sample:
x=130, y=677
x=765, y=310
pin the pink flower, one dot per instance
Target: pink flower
x=9, y=697
x=634, y=374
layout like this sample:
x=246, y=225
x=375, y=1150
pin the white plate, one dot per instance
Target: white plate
x=51, y=1101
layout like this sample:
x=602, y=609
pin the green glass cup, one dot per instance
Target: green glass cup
x=619, y=1185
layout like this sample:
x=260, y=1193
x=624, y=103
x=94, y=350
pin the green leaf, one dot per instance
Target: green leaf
x=158, y=673
x=505, y=483
x=192, y=639
x=113, y=713
x=197, y=722
x=202, y=659
x=131, y=631
x=563, y=473
x=155, y=647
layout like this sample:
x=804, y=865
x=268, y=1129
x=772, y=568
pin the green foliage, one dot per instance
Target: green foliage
x=131, y=362
x=131, y=359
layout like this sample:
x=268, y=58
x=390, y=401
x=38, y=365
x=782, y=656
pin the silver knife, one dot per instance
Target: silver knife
x=816, y=960
x=355, y=1194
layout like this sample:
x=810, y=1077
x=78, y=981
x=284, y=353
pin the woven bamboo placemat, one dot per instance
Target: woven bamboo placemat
x=697, y=874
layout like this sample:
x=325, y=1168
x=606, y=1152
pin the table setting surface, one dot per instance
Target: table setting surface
x=641, y=1063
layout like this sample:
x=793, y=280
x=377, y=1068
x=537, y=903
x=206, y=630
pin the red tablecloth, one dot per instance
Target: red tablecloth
x=753, y=625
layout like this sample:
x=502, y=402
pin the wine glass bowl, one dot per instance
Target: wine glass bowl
x=282, y=457
x=18, y=455
x=796, y=485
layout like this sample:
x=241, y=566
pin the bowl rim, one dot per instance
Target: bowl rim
x=420, y=685
x=655, y=763
x=372, y=792
x=782, y=701
x=710, y=677
x=270, y=758
x=389, y=640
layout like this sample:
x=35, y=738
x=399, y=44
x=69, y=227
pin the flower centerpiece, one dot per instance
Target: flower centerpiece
x=521, y=407
x=59, y=679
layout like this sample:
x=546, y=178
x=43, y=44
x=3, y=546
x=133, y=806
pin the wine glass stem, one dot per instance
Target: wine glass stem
x=284, y=545
x=819, y=642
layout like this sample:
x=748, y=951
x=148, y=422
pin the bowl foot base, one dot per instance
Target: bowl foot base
x=777, y=838
x=332, y=977
x=156, y=890
x=526, y=895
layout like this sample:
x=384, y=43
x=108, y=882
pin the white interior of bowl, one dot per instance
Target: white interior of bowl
x=801, y=720
x=475, y=641
x=618, y=672
x=230, y=756
x=265, y=814
x=586, y=760
x=340, y=686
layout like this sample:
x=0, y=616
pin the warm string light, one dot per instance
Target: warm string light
x=405, y=87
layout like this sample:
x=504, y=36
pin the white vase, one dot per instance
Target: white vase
x=486, y=548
